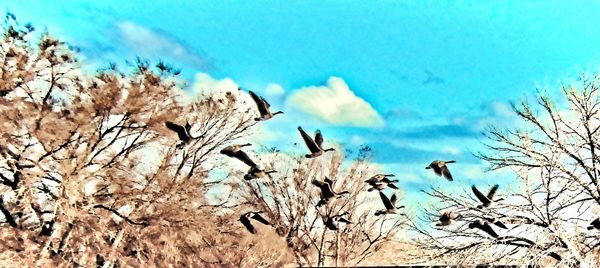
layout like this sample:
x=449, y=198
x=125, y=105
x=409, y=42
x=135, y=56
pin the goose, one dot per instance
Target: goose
x=245, y=220
x=390, y=205
x=496, y=222
x=486, y=201
x=440, y=168
x=447, y=218
x=327, y=193
x=379, y=177
x=484, y=226
x=235, y=151
x=331, y=222
x=314, y=145
x=381, y=185
x=183, y=132
x=380, y=181
x=595, y=224
x=256, y=172
x=263, y=107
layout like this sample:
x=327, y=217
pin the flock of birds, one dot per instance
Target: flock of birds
x=377, y=182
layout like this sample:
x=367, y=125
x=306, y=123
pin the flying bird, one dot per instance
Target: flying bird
x=432, y=78
x=390, y=205
x=484, y=226
x=440, y=168
x=447, y=218
x=315, y=146
x=332, y=222
x=595, y=224
x=183, y=132
x=263, y=108
x=256, y=172
x=245, y=220
x=235, y=151
x=327, y=193
x=486, y=201
x=380, y=181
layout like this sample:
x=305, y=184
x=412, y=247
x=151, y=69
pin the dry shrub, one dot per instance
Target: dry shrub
x=90, y=175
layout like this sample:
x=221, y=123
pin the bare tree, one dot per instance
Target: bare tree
x=553, y=154
x=91, y=175
x=290, y=200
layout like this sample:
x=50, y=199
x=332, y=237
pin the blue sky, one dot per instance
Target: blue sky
x=415, y=80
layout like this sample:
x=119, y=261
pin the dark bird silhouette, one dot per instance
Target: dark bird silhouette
x=314, y=145
x=327, y=193
x=332, y=222
x=379, y=177
x=390, y=205
x=447, y=218
x=235, y=151
x=486, y=201
x=380, y=181
x=245, y=220
x=484, y=226
x=440, y=168
x=256, y=172
x=263, y=108
x=595, y=224
x=432, y=79
x=183, y=132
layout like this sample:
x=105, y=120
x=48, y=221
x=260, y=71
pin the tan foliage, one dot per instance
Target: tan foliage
x=90, y=175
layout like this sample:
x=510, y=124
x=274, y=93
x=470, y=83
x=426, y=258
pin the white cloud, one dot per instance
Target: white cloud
x=274, y=90
x=356, y=140
x=204, y=84
x=451, y=150
x=336, y=104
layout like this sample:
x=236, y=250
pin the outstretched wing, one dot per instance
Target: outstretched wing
x=265, y=102
x=259, y=218
x=326, y=191
x=242, y=156
x=386, y=202
x=446, y=173
x=394, y=199
x=344, y=220
x=437, y=169
x=393, y=186
x=262, y=107
x=228, y=151
x=318, y=183
x=319, y=138
x=488, y=229
x=246, y=222
x=310, y=143
x=180, y=130
x=479, y=195
x=492, y=192
x=500, y=224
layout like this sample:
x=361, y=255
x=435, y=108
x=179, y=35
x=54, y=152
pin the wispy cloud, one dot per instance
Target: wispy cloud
x=128, y=39
x=440, y=131
x=336, y=104
x=157, y=43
